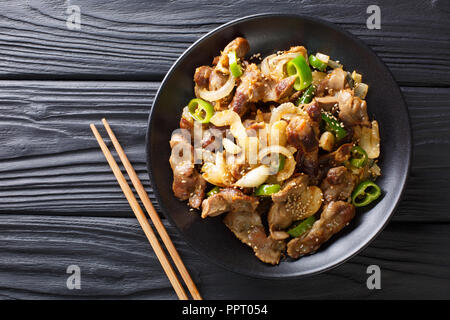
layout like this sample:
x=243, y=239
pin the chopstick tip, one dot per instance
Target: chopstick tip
x=94, y=129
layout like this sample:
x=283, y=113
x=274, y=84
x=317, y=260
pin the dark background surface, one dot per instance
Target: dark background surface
x=60, y=204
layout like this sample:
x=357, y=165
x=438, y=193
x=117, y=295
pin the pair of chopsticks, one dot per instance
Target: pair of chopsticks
x=141, y=217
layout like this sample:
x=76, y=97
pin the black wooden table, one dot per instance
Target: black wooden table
x=60, y=204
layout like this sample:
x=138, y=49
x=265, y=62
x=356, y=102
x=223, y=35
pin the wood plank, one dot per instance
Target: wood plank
x=140, y=40
x=428, y=184
x=51, y=164
x=116, y=262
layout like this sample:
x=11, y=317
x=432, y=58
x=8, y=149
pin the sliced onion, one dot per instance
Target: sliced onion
x=275, y=149
x=186, y=115
x=290, y=163
x=207, y=155
x=265, y=65
x=288, y=170
x=252, y=146
x=213, y=175
x=317, y=77
x=254, y=178
x=278, y=112
x=356, y=77
x=361, y=90
x=370, y=140
x=220, y=93
x=312, y=200
x=217, y=174
x=232, y=119
x=278, y=133
x=273, y=65
x=181, y=152
x=230, y=146
x=288, y=116
x=264, y=136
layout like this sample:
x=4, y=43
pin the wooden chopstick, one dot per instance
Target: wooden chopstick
x=153, y=215
x=145, y=225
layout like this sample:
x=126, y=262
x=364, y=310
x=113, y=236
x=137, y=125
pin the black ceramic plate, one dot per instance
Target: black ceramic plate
x=267, y=34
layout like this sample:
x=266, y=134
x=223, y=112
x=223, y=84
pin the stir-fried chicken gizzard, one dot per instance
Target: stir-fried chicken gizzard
x=281, y=147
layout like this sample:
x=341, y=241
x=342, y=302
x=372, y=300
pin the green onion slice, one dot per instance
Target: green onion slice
x=307, y=96
x=299, y=67
x=333, y=125
x=213, y=191
x=265, y=190
x=316, y=63
x=201, y=110
x=359, y=157
x=302, y=227
x=233, y=62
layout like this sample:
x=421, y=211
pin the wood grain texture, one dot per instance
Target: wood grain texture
x=139, y=40
x=61, y=205
x=50, y=162
x=117, y=263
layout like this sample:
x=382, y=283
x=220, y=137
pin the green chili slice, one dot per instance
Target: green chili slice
x=298, y=67
x=302, y=227
x=366, y=192
x=213, y=191
x=233, y=62
x=200, y=110
x=317, y=63
x=333, y=125
x=281, y=162
x=265, y=190
x=307, y=95
x=359, y=157
x=277, y=166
